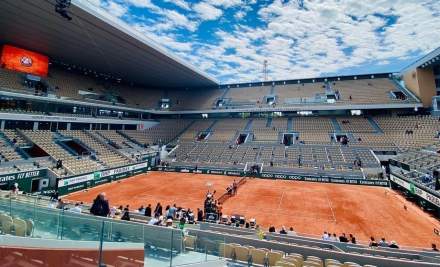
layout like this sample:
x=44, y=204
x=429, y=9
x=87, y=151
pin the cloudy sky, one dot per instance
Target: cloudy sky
x=230, y=39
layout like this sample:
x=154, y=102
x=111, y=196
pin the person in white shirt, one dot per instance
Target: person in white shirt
x=325, y=236
x=291, y=231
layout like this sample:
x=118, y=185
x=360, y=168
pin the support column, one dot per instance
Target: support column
x=2, y=125
x=35, y=126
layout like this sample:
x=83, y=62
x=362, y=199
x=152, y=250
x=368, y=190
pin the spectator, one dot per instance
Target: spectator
x=199, y=215
x=100, y=206
x=126, y=214
x=182, y=222
x=158, y=210
x=141, y=209
x=113, y=211
x=172, y=212
x=352, y=239
x=153, y=220
x=283, y=230
x=272, y=229
x=76, y=209
x=373, y=242
x=169, y=223
x=291, y=231
x=383, y=242
x=15, y=189
x=160, y=221
x=343, y=238
x=434, y=247
x=325, y=236
x=334, y=238
x=60, y=204
x=148, y=211
x=393, y=245
x=54, y=195
x=219, y=210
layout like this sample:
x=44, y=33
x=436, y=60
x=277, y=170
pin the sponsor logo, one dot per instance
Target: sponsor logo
x=97, y=175
x=26, y=61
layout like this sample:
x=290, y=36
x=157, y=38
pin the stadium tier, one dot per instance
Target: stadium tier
x=73, y=85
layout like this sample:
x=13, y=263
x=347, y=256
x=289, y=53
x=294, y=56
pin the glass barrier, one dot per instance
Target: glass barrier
x=99, y=240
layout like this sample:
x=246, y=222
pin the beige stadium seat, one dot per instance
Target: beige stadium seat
x=283, y=263
x=229, y=250
x=6, y=223
x=274, y=256
x=295, y=258
x=29, y=227
x=312, y=264
x=331, y=262
x=258, y=256
x=242, y=253
x=20, y=227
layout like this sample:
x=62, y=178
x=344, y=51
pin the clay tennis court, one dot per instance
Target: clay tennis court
x=310, y=208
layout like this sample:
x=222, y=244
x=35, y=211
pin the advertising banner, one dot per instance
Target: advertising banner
x=415, y=190
x=80, y=182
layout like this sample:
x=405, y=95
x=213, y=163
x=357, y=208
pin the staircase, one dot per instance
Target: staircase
x=269, y=122
x=129, y=138
x=336, y=125
x=374, y=125
x=248, y=126
x=290, y=124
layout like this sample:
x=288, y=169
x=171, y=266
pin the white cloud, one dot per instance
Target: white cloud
x=207, y=11
x=239, y=14
x=180, y=20
x=116, y=9
x=225, y=3
x=180, y=3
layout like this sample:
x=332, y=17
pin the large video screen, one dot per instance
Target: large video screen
x=22, y=60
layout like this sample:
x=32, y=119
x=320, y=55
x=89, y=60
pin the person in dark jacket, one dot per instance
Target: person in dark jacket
x=126, y=214
x=158, y=210
x=199, y=215
x=148, y=211
x=100, y=206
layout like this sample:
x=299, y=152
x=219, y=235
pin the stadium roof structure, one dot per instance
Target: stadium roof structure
x=95, y=41
x=431, y=59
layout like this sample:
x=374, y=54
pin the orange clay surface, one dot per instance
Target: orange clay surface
x=310, y=208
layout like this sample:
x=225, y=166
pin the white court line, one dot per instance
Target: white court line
x=331, y=206
x=281, y=200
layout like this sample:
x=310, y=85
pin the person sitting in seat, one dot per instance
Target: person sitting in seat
x=100, y=206
x=393, y=245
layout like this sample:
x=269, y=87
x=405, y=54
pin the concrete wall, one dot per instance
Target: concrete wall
x=422, y=83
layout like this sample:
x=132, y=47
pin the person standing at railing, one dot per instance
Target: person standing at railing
x=100, y=206
x=15, y=189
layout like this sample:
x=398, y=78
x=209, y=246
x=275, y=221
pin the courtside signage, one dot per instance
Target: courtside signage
x=284, y=176
x=416, y=190
x=99, y=177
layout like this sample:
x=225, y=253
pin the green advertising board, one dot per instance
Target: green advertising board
x=23, y=179
x=88, y=180
x=273, y=175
